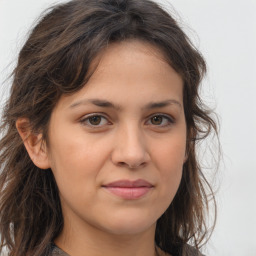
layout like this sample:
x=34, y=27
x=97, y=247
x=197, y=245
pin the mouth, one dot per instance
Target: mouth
x=129, y=190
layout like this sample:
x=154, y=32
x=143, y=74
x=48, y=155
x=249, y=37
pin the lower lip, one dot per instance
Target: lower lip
x=129, y=193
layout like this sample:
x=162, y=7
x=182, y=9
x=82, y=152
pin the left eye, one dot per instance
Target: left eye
x=160, y=120
x=94, y=120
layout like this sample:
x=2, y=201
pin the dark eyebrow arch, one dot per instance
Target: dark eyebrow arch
x=162, y=104
x=97, y=102
x=107, y=104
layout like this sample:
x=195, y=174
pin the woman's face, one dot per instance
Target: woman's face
x=117, y=146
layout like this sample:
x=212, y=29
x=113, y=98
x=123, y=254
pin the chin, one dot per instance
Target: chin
x=128, y=230
x=129, y=226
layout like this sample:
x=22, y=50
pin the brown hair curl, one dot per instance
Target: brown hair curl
x=55, y=60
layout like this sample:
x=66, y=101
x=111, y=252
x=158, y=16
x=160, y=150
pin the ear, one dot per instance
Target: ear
x=185, y=158
x=33, y=143
x=191, y=134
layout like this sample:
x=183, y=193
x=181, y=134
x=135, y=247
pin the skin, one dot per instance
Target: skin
x=125, y=143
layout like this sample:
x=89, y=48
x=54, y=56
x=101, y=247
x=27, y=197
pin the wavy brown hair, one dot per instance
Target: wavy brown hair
x=55, y=60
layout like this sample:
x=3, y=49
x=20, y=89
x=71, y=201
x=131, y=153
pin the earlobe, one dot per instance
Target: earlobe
x=34, y=144
x=185, y=158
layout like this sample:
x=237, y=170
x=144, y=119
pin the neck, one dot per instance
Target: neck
x=87, y=240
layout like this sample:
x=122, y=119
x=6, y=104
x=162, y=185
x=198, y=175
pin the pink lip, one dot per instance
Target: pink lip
x=129, y=189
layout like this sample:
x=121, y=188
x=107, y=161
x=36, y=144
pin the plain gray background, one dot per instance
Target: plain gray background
x=225, y=32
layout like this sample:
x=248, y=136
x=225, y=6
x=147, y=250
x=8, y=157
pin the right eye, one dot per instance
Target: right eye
x=94, y=121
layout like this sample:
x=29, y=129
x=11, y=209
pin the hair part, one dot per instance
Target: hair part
x=56, y=60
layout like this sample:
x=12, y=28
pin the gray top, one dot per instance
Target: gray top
x=56, y=251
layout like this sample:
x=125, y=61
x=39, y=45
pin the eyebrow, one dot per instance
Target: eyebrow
x=108, y=104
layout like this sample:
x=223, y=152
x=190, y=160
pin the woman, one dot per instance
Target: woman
x=98, y=154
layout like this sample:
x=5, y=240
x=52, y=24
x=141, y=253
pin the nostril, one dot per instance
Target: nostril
x=128, y=158
x=131, y=166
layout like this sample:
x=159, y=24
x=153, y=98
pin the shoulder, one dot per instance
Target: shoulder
x=56, y=251
x=185, y=250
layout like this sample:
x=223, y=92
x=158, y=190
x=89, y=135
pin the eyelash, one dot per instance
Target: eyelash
x=86, y=120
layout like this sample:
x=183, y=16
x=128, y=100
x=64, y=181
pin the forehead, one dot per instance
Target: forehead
x=130, y=70
x=133, y=47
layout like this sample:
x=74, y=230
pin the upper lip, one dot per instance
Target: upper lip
x=129, y=184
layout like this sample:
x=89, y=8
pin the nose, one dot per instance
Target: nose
x=130, y=149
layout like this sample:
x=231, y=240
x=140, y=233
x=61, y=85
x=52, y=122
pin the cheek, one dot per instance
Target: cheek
x=170, y=159
x=170, y=154
x=76, y=151
x=67, y=163
x=77, y=160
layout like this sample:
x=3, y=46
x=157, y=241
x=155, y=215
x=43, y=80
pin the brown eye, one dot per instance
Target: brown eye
x=157, y=120
x=160, y=121
x=95, y=120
